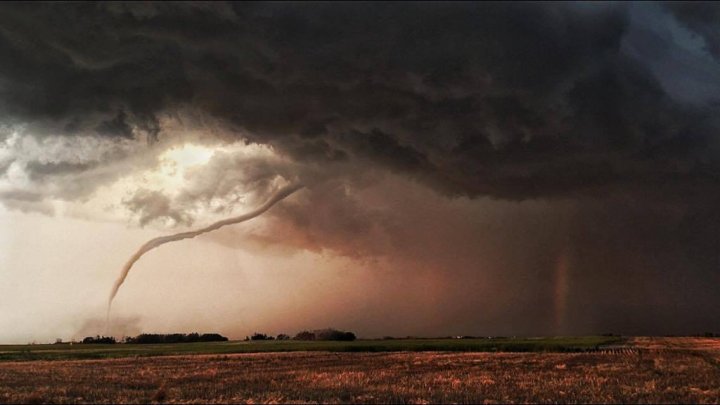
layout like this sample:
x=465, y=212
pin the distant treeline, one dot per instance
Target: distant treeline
x=99, y=339
x=176, y=338
x=321, y=334
x=160, y=338
x=147, y=338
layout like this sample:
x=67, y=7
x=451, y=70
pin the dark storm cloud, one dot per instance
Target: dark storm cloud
x=38, y=170
x=509, y=100
x=151, y=205
x=26, y=201
x=703, y=18
x=66, y=68
x=21, y=195
x=117, y=126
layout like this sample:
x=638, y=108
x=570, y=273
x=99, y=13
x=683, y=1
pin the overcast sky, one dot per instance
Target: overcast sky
x=470, y=168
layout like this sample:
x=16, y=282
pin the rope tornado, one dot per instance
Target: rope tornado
x=153, y=243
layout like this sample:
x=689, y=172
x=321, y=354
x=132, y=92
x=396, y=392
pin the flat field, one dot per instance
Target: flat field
x=102, y=351
x=642, y=370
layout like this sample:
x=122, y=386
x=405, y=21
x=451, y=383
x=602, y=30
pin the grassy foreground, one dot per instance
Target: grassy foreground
x=99, y=351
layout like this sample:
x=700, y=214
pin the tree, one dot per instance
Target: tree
x=334, y=334
x=99, y=340
x=212, y=337
x=305, y=335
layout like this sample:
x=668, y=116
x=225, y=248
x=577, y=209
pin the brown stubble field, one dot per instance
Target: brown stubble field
x=652, y=370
